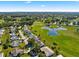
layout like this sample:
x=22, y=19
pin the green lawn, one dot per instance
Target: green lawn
x=5, y=36
x=68, y=40
x=0, y=48
x=4, y=39
x=25, y=55
x=1, y=21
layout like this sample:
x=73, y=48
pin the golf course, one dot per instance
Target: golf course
x=67, y=40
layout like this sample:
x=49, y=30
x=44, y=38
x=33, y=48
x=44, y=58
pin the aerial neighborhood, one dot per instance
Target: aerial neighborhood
x=39, y=35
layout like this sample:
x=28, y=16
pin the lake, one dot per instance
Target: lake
x=53, y=31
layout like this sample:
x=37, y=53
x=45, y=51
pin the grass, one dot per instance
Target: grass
x=6, y=52
x=68, y=40
x=1, y=48
x=22, y=45
x=25, y=55
x=5, y=36
x=4, y=39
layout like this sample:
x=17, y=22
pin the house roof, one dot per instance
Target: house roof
x=60, y=56
x=14, y=38
x=12, y=34
x=1, y=31
x=15, y=43
x=16, y=51
x=23, y=37
x=1, y=54
x=48, y=51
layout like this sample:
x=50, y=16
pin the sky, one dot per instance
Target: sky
x=39, y=6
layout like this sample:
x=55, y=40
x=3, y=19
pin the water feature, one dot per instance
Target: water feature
x=53, y=31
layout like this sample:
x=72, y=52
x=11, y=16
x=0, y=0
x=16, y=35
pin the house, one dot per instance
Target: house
x=12, y=34
x=60, y=55
x=48, y=52
x=41, y=44
x=1, y=32
x=12, y=29
x=25, y=27
x=0, y=42
x=37, y=40
x=26, y=42
x=55, y=23
x=30, y=36
x=1, y=54
x=14, y=38
x=27, y=50
x=75, y=22
x=71, y=23
x=15, y=52
x=15, y=43
x=23, y=37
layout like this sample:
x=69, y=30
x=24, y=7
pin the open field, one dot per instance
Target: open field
x=68, y=40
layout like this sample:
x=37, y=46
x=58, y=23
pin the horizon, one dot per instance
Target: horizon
x=38, y=12
x=39, y=6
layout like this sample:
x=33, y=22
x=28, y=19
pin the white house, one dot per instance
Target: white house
x=60, y=55
x=48, y=51
x=1, y=54
x=1, y=32
x=71, y=23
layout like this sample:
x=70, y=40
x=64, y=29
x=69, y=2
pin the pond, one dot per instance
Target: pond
x=53, y=31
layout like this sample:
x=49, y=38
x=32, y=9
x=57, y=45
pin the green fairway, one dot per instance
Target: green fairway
x=68, y=40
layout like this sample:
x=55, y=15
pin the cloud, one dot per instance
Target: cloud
x=43, y=5
x=28, y=2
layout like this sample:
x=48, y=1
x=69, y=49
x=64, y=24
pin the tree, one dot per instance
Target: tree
x=7, y=18
x=41, y=54
x=77, y=29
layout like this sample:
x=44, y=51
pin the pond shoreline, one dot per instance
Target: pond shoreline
x=53, y=31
